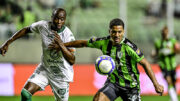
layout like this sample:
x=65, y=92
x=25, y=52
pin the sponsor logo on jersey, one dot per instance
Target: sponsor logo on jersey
x=54, y=54
x=119, y=54
x=62, y=92
x=138, y=52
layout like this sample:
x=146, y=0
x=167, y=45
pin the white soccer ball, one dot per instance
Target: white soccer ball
x=105, y=65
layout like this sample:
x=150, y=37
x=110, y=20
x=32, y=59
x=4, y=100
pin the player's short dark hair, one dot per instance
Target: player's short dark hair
x=115, y=22
x=58, y=10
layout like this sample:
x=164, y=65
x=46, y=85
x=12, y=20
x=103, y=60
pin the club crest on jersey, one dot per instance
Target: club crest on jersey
x=93, y=39
x=119, y=54
x=138, y=52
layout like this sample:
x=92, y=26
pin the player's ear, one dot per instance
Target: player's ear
x=109, y=31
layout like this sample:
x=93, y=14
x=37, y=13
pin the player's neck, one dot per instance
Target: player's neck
x=165, y=38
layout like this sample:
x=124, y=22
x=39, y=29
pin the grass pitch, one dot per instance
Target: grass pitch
x=81, y=98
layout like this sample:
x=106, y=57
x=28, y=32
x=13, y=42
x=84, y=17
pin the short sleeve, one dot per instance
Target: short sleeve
x=70, y=37
x=136, y=53
x=157, y=44
x=95, y=43
x=35, y=27
x=173, y=40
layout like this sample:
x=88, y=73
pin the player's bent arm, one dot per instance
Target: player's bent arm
x=154, y=53
x=159, y=88
x=68, y=54
x=17, y=35
x=77, y=43
x=177, y=47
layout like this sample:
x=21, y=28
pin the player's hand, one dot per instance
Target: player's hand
x=53, y=45
x=4, y=49
x=57, y=38
x=56, y=42
x=159, y=89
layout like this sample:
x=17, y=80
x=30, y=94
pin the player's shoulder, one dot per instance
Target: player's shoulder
x=157, y=41
x=130, y=44
x=66, y=29
x=40, y=23
x=95, y=39
x=172, y=39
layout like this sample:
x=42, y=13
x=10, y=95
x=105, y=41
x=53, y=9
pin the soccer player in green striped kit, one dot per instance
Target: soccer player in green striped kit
x=166, y=49
x=124, y=81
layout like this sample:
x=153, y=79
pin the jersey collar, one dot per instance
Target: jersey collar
x=62, y=29
x=122, y=40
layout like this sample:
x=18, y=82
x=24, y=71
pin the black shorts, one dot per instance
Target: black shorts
x=171, y=73
x=113, y=91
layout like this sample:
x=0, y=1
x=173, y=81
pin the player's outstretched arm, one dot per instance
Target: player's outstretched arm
x=159, y=88
x=57, y=44
x=22, y=32
x=177, y=47
x=77, y=43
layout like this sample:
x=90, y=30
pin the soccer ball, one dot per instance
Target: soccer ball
x=104, y=65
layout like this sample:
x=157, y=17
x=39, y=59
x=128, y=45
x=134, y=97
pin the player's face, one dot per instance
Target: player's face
x=165, y=33
x=59, y=19
x=117, y=34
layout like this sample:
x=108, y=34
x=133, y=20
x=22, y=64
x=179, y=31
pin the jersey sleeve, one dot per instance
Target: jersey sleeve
x=94, y=43
x=157, y=44
x=135, y=53
x=36, y=26
x=173, y=40
x=69, y=37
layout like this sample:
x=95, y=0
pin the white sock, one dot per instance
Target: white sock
x=172, y=94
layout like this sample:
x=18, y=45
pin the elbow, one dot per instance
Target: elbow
x=72, y=61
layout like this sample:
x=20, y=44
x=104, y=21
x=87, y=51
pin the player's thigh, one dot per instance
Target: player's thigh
x=173, y=75
x=37, y=81
x=131, y=95
x=60, y=90
x=106, y=93
x=100, y=96
x=169, y=80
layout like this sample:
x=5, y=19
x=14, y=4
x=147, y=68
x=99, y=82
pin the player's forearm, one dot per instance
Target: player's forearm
x=150, y=73
x=77, y=43
x=67, y=54
x=17, y=35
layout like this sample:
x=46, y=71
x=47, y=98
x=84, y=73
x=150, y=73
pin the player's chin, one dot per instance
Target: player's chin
x=58, y=26
x=116, y=41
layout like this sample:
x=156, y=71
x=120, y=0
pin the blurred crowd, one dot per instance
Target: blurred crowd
x=158, y=8
x=16, y=14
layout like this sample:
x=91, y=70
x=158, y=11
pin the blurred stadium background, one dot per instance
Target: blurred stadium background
x=144, y=20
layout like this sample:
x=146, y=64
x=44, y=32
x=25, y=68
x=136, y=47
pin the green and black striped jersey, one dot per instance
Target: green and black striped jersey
x=166, y=53
x=126, y=56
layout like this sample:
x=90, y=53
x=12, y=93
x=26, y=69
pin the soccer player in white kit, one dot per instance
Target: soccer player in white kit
x=55, y=68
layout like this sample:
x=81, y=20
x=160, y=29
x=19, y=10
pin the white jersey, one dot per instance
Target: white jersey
x=54, y=63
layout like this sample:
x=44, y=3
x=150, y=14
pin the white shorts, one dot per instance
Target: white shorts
x=59, y=88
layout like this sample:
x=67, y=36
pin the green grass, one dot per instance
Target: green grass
x=80, y=98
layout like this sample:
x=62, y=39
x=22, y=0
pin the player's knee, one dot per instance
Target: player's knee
x=169, y=80
x=25, y=95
